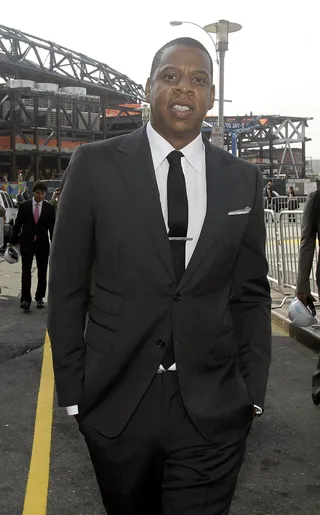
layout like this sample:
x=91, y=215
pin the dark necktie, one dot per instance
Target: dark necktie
x=178, y=227
x=177, y=212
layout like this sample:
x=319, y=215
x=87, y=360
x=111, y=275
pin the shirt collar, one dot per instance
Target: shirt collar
x=160, y=148
x=34, y=202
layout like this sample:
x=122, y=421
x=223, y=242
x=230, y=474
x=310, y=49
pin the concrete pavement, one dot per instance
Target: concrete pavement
x=281, y=473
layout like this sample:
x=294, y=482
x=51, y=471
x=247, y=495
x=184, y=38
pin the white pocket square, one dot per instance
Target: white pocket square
x=243, y=211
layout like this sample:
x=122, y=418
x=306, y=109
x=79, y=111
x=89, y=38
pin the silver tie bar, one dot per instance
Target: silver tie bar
x=180, y=238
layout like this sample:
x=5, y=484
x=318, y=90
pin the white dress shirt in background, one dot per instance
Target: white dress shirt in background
x=34, y=203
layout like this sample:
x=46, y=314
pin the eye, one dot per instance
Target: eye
x=200, y=80
x=170, y=76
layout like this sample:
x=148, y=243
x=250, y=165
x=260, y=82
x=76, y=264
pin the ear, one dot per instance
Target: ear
x=147, y=90
x=212, y=93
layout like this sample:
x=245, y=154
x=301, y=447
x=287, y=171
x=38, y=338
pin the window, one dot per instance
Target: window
x=4, y=200
x=9, y=200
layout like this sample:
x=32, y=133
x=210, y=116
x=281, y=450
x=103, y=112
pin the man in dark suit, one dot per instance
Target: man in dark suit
x=34, y=223
x=310, y=232
x=166, y=367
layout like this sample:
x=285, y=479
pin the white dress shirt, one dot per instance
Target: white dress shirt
x=194, y=169
x=34, y=203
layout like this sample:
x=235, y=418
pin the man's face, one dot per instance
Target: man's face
x=180, y=93
x=39, y=195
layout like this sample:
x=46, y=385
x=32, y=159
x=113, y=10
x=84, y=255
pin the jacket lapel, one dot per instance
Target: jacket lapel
x=217, y=191
x=134, y=163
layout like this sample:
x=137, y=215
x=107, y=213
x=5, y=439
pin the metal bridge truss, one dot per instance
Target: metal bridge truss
x=39, y=130
x=287, y=133
x=28, y=57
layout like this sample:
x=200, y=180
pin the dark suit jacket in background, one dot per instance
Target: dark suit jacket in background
x=219, y=313
x=25, y=229
x=310, y=229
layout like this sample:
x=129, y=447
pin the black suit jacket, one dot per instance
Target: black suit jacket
x=110, y=217
x=25, y=229
x=310, y=230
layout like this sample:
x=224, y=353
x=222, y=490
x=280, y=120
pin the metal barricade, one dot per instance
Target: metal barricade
x=279, y=203
x=283, y=235
x=1, y=231
x=282, y=203
x=290, y=236
x=267, y=202
x=296, y=203
x=272, y=247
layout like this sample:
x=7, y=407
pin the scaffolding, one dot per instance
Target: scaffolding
x=53, y=99
x=276, y=143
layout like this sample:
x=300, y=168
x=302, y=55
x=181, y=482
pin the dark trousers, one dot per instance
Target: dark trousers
x=42, y=256
x=160, y=464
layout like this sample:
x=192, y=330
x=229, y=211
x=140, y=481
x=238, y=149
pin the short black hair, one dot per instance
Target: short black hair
x=189, y=42
x=39, y=185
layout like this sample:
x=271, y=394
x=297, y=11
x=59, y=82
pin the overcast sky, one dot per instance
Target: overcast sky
x=272, y=66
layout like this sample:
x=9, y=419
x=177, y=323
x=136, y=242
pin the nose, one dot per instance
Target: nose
x=185, y=85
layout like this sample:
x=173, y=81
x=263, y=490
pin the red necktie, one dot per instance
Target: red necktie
x=36, y=213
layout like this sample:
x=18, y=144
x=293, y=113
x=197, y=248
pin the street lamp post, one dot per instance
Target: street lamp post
x=222, y=28
x=177, y=23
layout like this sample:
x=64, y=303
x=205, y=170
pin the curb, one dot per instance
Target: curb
x=306, y=336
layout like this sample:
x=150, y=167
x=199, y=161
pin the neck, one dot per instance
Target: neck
x=176, y=140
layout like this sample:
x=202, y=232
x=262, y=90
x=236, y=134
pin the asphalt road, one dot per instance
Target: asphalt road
x=281, y=473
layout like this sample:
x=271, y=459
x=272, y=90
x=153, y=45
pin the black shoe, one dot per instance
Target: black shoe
x=25, y=305
x=40, y=304
x=316, y=399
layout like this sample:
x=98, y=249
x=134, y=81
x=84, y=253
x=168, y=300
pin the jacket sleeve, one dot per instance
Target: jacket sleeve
x=69, y=280
x=52, y=222
x=251, y=303
x=307, y=246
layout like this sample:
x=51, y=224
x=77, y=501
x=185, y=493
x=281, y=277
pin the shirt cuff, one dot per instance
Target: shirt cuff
x=258, y=410
x=73, y=410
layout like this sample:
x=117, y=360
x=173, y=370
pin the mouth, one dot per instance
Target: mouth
x=181, y=109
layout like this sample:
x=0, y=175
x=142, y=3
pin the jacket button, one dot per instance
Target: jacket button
x=161, y=344
x=177, y=297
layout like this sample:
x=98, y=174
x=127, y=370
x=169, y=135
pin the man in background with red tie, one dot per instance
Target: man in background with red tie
x=34, y=221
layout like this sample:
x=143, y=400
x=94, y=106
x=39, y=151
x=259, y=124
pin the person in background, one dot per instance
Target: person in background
x=292, y=202
x=25, y=193
x=55, y=198
x=34, y=222
x=310, y=232
x=20, y=198
x=291, y=192
x=268, y=191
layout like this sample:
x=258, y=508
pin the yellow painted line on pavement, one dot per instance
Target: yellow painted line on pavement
x=35, y=502
x=278, y=331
